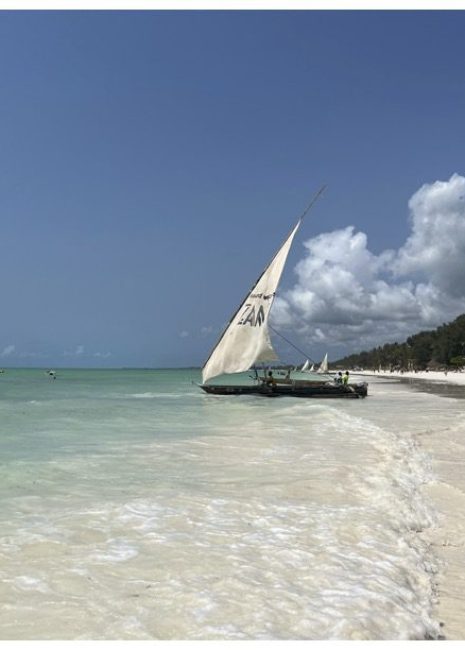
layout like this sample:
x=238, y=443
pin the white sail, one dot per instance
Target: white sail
x=305, y=366
x=246, y=340
x=312, y=368
x=324, y=365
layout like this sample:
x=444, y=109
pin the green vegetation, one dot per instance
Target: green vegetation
x=440, y=348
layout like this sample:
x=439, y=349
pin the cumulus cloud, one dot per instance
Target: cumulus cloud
x=8, y=351
x=78, y=352
x=345, y=295
x=436, y=247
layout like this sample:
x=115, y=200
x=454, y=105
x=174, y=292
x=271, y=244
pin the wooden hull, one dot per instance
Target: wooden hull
x=292, y=389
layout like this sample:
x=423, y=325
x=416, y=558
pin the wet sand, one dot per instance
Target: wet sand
x=446, y=447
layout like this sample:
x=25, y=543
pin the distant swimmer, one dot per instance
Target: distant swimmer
x=52, y=374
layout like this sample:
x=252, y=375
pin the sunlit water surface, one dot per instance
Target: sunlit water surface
x=134, y=506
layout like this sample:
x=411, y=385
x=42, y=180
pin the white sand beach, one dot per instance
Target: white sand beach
x=446, y=446
x=450, y=377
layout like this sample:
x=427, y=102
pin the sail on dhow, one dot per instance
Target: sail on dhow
x=246, y=339
x=324, y=365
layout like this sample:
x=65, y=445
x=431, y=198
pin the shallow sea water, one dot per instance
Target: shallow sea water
x=134, y=506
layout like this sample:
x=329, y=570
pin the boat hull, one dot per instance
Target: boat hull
x=292, y=389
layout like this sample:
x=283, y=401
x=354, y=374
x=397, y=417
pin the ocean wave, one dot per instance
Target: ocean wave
x=160, y=395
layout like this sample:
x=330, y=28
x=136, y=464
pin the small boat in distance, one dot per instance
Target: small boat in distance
x=246, y=341
x=323, y=369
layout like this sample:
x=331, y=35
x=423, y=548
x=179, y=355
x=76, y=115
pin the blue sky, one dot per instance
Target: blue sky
x=151, y=163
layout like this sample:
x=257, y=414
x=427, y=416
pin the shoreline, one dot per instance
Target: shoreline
x=446, y=491
x=454, y=378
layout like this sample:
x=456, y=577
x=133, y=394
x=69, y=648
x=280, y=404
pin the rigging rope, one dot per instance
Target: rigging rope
x=306, y=356
x=296, y=348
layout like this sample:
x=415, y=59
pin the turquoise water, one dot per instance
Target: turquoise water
x=134, y=506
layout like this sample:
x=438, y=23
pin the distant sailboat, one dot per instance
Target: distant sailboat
x=306, y=368
x=323, y=369
x=246, y=341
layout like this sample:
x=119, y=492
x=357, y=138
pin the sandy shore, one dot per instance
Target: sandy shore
x=455, y=378
x=446, y=448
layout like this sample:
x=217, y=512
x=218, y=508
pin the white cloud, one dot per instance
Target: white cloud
x=346, y=295
x=8, y=351
x=436, y=247
x=102, y=355
x=78, y=352
x=184, y=334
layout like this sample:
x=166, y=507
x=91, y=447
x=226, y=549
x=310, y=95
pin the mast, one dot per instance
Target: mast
x=246, y=339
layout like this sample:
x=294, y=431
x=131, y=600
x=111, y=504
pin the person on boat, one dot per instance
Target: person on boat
x=345, y=379
x=338, y=379
x=270, y=380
